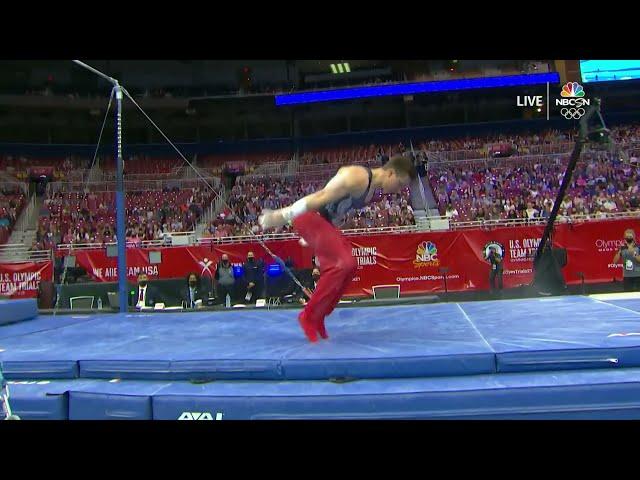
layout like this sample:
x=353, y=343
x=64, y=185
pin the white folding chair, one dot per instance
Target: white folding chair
x=386, y=291
x=81, y=303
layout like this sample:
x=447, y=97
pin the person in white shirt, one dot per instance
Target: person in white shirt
x=451, y=212
x=609, y=205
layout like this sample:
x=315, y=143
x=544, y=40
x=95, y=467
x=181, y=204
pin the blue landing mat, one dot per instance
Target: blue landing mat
x=375, y=342
x=558, y=333
x=17, y=310
x=43, y=324
x=594, y=394
x=473, y=338
x=548, y=395
x=42, y=400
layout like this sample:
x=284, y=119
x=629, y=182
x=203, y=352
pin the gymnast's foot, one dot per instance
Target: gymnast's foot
x=307, y=327
x=322, y=331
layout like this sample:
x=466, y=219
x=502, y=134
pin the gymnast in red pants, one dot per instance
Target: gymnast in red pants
x=316, y=219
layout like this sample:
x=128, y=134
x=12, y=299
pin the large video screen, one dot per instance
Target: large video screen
x=609, y=70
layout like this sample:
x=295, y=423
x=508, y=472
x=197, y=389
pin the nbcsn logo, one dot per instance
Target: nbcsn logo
x=572, y=95
x=572, y=101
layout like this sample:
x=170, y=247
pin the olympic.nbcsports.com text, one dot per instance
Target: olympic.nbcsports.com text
x=454, y=276
x=426, y=277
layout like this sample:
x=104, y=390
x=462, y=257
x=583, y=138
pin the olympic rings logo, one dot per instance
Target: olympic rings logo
x=575, y=113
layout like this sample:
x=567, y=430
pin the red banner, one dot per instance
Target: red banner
x=22, y=280
x=416, y=261
x=179, y=261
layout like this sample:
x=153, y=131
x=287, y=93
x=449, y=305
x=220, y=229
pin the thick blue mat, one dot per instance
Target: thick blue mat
x=376, y=342
x=589, y=394
x=41, y=400
x=473, y=338
x=558, y=333
x=42, y=324
x=12, y=311
x=601, y=394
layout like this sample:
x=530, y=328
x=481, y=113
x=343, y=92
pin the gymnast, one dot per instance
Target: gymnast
x=316, y=219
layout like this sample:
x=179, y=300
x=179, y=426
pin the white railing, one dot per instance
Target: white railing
x=26, y=215
x=16, y=253
x=526, y=151
x=291, y=235
x=167, y=241
x=292, y=166
x=6, y=184
x=212, y=211
x=419, y=178
x=483, y=152
x=269, y=168
x=141, y=184
x=521, y=222
x=95, y=174
x=453, y=225
x=187, y=173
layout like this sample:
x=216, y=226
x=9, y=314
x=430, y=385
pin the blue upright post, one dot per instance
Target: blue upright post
x=120, y=204
x=120, y=207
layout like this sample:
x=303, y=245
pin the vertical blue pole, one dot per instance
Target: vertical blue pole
x=120, y=207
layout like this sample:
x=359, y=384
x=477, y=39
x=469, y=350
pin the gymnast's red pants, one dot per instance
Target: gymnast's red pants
x=337, y=268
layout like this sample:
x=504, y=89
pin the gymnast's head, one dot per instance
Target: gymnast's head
x=397, y=173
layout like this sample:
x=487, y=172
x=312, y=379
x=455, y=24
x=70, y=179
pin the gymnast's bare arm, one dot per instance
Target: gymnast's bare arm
x=349, y=180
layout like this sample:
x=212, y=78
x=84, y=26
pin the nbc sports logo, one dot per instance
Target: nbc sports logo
x=573, y=90
x=426, y=255
x=426, y=252
x=572, y=101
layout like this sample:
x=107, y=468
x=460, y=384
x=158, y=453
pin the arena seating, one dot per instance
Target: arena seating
x=470, y=179
x=12, y=201
x=90, y=217
x=526, y=186
x=63, y=168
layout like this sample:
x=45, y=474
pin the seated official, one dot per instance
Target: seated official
x=253, y=278
x=192, y=295
x=145, y=295
x=310, y=285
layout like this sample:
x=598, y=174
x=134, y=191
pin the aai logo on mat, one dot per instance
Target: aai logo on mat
x=199, y=416
x=426, y=255
x=497, y=246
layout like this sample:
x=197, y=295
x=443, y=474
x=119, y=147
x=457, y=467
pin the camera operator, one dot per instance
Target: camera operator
x=495, y=260
x=630, y=254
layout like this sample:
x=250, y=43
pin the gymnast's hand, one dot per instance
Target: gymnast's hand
x=271, y=218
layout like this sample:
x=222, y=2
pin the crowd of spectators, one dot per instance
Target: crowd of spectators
x=511, y=188
x=248, y=197
x=12, y=201
x=68, y=168
x=72, y=218
x=487, y=187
